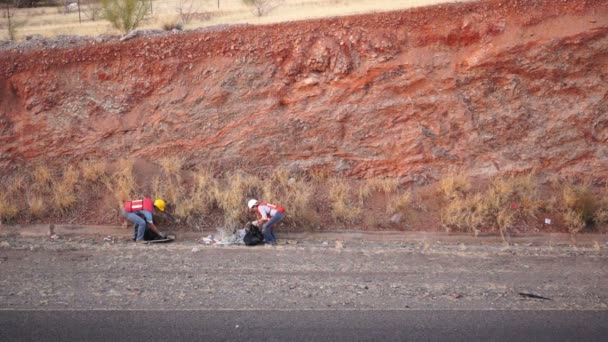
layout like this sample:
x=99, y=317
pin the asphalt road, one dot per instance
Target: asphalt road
x=314, y=325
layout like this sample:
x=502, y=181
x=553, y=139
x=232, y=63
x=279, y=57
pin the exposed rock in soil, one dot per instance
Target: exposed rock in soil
x=493, y=86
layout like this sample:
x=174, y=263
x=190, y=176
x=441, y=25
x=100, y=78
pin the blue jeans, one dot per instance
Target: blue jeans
x=139, y=229
x=268, y=228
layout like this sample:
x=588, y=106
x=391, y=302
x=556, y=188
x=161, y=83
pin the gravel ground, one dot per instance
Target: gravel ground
x=90, y=273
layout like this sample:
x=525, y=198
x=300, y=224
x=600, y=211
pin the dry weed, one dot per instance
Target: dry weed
x=342, y=207
x=231, y=196
x=41, y=177
x=192, y=205
x=292, y=194
x=506, y=201
x=383, y=185
x=64, y=189
x=36, y=206
x=580, y=205
x=399, y=203
x=122, y=182
x=93, y=171
x=8, y=210
x=172, y=165
x=455, y=184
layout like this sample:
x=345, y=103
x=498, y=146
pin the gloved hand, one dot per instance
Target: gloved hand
x=162, y=235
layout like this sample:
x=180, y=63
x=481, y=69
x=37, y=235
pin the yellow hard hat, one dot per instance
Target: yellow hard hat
x=160, y=204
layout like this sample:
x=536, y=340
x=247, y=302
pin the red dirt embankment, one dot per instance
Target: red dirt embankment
x=493, y=86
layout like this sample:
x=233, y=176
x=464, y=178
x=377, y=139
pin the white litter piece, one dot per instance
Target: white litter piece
x=547, y=221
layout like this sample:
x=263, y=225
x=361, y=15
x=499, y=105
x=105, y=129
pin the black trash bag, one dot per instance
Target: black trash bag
x=253, y=235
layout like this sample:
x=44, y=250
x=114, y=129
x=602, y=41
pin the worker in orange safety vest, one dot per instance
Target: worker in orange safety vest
x=268, y=215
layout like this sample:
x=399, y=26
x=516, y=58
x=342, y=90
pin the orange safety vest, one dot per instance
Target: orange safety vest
x=271, y=206
x=137, y=205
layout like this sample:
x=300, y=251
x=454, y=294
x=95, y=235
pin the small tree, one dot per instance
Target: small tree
x=12, y=23
x=187, y=10
x=93, y=10
x=262, y=7
x=125, y=15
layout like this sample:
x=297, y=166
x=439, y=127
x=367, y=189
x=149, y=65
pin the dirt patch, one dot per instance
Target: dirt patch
x=93, y=274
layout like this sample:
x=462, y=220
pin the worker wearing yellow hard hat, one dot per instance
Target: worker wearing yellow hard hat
x=140, y=212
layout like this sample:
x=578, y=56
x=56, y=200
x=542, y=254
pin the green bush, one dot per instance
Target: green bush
x=125, y=15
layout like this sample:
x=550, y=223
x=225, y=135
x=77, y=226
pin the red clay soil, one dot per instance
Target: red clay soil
x=490, y=86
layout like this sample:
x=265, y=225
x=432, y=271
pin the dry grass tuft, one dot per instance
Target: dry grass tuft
x=231, y=196
x=64, y=189
x=36, y=206
x=383, y=185
x=192, y=206
x=399, y=203
x=506, y=201
x=122, y=182
x=343, y=208
x=455, y=184
x=41, y=177
x=172, y=166
x=580, y=206
x=294, y=195
x=8, y=210
x=93, y=171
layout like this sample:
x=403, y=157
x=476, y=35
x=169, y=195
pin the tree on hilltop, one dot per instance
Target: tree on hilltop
x=262, y=7
x=125, y=15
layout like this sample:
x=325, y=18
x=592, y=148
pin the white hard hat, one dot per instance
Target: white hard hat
x=251, y=203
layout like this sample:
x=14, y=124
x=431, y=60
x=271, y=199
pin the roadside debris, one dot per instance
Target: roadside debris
x=456, y=295
x=531, y=295
x=207, y=240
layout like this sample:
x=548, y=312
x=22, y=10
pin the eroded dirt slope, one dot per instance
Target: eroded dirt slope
x=491, y=86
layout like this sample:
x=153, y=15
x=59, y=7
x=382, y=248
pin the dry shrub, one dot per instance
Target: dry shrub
x=41, y=178
x=121, y=183
x=343, y=208
x=231, y=196
x=580, y=206
x=36, y=206
x=318, y=175
x=172, y=166
x=172, y=25
x=398, y=203
x=463, y=213
x=294, y=195
x=64, y=189
x=93, y=171
x=454, y=184
x=382, y=185
x=8, y=210
x=193, y=205
x=505, y=202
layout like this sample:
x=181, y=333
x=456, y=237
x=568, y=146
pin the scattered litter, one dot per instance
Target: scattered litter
x=5, y=244
x=339, y=244
x=531, y=295
x=195, y=249
x=54, y=236
x=456, y=295
x=207, y=240
x=547, y=221
x=325, y=243
x=236, y=326
x=108, y=238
